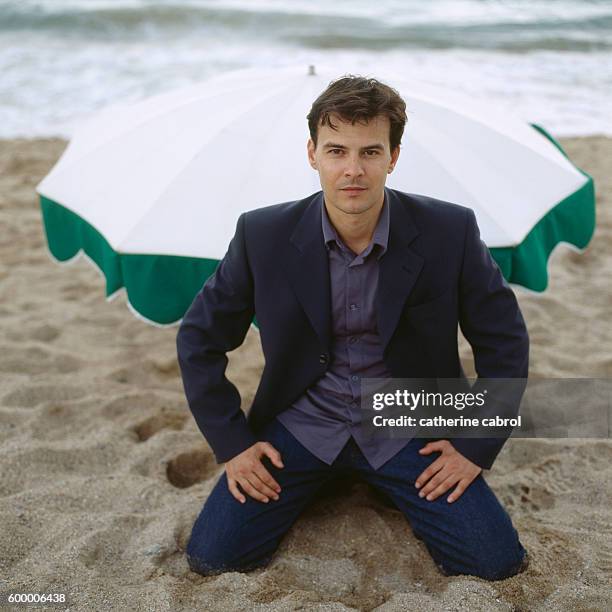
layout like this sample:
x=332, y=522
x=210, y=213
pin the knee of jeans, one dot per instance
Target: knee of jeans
x=205, y=558
x=209, y=559
x=210, y=563
x=204, y=566
x=212, y=567
x=499, y=567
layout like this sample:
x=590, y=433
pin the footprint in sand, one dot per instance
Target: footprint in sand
x=166, y=419
x=147, y=372
x=541, y=488
x=190, y=467
x=146, y=414
x=550, y=476
x=101, y=549
x=528, y=498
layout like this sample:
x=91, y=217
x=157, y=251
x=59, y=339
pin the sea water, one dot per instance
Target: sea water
x=550, y=61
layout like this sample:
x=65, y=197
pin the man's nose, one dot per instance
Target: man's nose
x=353, y=167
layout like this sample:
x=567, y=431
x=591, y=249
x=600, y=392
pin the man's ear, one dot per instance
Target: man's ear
x=394, y=155
x=310, y=147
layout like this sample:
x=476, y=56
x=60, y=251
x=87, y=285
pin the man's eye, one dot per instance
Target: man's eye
x=369, y=152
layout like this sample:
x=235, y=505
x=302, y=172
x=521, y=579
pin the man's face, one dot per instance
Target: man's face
x=353, y=156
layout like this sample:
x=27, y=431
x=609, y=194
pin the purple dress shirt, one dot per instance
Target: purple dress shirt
x=327, y=414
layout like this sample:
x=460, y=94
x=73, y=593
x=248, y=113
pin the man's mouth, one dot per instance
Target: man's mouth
x=353, y=189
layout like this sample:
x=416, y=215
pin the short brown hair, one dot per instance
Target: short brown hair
x=357, y=98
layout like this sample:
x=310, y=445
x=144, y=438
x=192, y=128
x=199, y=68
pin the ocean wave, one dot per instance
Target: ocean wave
x=580, y=32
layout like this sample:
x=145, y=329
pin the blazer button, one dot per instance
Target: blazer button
x=323, y=358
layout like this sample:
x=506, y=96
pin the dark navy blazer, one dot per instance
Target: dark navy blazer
x=436, y=274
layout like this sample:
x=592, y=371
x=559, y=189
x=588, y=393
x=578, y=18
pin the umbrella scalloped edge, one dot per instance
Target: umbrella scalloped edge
x=161, y=288
x=571, y=221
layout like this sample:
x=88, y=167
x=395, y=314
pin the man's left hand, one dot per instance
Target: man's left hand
x=449, y=469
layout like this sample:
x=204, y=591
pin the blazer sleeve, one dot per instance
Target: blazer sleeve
x=217, y=322
x=491, y=321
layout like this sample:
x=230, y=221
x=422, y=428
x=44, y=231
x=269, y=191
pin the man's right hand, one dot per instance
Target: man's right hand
x=248, y=471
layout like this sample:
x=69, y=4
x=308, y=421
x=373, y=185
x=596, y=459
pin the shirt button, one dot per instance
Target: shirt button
x=323, y=358
x=353, y=339
x=354, y=377
x=353, y=306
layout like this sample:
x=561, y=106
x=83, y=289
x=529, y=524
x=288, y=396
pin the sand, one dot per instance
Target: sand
x=103, y=471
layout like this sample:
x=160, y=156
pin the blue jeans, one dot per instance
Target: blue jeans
x=473, y=535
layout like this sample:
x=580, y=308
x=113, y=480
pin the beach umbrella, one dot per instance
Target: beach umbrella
x=151, y=191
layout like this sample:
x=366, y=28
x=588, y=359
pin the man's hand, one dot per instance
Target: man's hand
x=247, y=470
x=450, y=468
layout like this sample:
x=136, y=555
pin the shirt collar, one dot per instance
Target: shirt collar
x=379, y=237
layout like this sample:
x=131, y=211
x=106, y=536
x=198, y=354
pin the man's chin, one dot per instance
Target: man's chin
x=352, y=205
x=356, y=209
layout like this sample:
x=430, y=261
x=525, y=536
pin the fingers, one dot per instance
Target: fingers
x=246, y=473
x=430, y=447
x=231, y=485
x=272, y=454
x=459, y=489
x=444, y=480
x=436, y=486
x=440, y=476
x=428, y=472
x=264, y=483
x=249, y=488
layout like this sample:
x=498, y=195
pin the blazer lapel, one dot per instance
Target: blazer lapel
x=399, y=268
x=305, y=261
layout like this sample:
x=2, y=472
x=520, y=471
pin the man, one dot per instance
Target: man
x=356, y=281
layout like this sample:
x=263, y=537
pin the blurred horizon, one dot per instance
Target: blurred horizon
x=61, y=60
